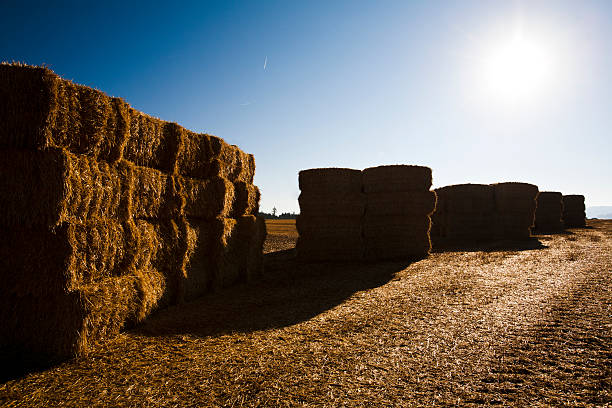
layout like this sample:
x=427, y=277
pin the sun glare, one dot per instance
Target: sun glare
x=518, y=70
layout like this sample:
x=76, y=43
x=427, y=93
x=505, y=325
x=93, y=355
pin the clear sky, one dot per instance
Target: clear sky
x=480, y=91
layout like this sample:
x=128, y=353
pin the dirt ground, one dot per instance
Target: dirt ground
x=508, y=325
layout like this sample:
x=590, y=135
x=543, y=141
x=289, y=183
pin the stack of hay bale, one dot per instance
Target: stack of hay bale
x=574, y=211
x=549, y=212
x=108, y=214
x=465, y=212
x=515, y=204
x=398, y=208
x=332, y=207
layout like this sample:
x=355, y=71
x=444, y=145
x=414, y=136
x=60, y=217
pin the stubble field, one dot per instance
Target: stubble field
x=508, y=324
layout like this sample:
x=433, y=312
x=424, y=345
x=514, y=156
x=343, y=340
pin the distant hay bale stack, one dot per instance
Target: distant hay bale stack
x=397, y=221
x=549, y=212
x=332, y=206
x=574, y=211
x=516, y=205
x=465, y=213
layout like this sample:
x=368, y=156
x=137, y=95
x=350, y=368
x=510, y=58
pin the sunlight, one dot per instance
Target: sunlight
x=518, y=70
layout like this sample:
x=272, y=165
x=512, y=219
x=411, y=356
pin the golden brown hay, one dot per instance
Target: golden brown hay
x=396, y=178
x=207, y=198
x=411, y=203
x=549, y=211
x=330, y=180
x=312, y=226
x=332, y=204
x=574, y=211
x=246, y=199
x=55, y=186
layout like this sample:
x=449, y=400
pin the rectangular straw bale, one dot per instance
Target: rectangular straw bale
x=572, y=220
x=210, y=198
x=153, y=194
x=246, y=199
x=38, y=260
x=573, y=203
x=395, y=225
x=403, y=203
x=332, y=204
x=53, y=186
x=396, y=178
x=153, y=142
x=330, y=180
x=514, y=226
x=204, y=156
x=515, y=197
x=330, y=248
x=468, y=198
x=312, y=226
x=73, y=323
x=41, y=110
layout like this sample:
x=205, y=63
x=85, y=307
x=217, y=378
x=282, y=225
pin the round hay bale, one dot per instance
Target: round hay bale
x=396, y=178
x=330, y=180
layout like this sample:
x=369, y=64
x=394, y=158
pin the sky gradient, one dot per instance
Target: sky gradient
x=349, y=83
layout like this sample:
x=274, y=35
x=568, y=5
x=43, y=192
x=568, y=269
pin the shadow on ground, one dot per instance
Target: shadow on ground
x=490, y=246
x=288, y=294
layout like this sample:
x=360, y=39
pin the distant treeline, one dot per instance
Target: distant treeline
x=283, y=216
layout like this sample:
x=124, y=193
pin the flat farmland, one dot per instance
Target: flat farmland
x=505, y=325
x=282, y=234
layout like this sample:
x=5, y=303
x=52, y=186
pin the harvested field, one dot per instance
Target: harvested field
x=282, y=235
x=509, y=327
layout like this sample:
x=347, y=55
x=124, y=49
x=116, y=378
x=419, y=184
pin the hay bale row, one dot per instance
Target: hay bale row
x=54, y=186
x=378, y=213
x=109, y=214
x=549, y=212
x=574, y=214
x=480, y=212
x=397, y=221
x=41, y=110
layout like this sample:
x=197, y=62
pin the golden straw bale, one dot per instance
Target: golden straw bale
x=330, y=180
x=313, y=226
x=396, y=178
x=41, y=110
x=53, y=186
x=402, y=203
x=246, y=199
x=205, y=198
x=342, y=204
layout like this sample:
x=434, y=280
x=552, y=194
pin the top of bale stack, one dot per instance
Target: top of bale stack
x=396, y=178
x=330, y=180
x=41, y=110
x=515, y=197
x=466, y=198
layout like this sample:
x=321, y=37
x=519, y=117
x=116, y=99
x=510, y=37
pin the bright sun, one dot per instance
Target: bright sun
x=518, y=70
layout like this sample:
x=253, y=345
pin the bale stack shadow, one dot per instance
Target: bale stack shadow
x=109, y=214
x=332, y=206
x=574, y=211
x=398, y=208
x=549, y=212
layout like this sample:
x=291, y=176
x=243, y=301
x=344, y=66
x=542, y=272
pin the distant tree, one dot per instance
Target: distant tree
x=274, y=211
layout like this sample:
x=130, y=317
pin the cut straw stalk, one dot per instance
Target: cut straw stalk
x=53, y=186
x=40, y=110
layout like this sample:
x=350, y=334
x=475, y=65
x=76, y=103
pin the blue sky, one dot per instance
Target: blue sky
x=353, y=83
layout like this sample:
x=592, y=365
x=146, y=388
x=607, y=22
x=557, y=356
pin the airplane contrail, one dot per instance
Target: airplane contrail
x=265, y=62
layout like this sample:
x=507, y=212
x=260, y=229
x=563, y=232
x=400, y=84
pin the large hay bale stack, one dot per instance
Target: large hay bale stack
x=109, y=214
x=465, y=213
x=515, y=205
x=549, y=212
x=397, y=214
x=574, y=211
x=332, y=206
